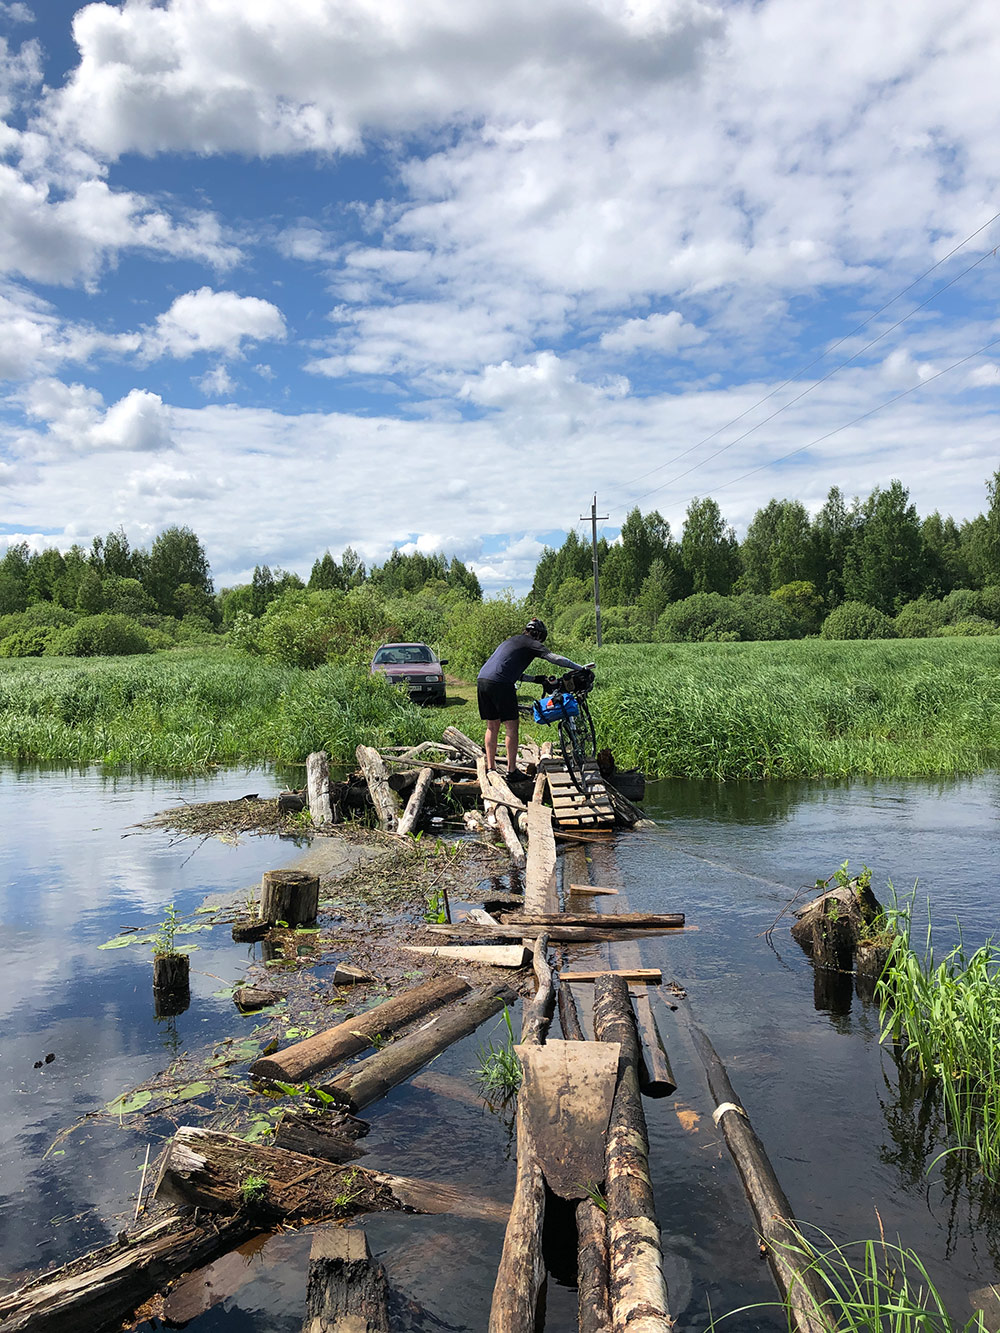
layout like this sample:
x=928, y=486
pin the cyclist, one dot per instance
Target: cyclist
x=497, y=688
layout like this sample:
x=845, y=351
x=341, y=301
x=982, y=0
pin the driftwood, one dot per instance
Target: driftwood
x=799, y=1286
x=593, y=1311
x=318, y=1136
x=209, y=1170
x=249, y=998
x=101, y=1289
x=459, y=741
x=384, y=799
x=606, y=920
x=415, y=804
x=291, y=896
x=540, y=872
x=305, y=1058
x=346, y=974
x=487, y=955
x=536, y=1013
x=347, y=1291
x=370, y=1079
x=637, y=1289
x=318, y=787
x=649, y=974
x=591, y=889
x=656, y=1078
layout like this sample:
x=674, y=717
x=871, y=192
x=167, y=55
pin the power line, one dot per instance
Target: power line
x=820, y=357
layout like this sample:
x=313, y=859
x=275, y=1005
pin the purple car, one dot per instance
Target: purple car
x=414, y=667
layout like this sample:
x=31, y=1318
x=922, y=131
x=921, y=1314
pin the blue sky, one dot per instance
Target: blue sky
x=308, y=273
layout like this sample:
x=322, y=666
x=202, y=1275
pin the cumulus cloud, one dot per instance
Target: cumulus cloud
x=210, y=321
x=657, y=334
x=216, y=383
x=75, y=418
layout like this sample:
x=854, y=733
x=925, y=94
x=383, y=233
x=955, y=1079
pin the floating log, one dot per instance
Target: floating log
x=569, y=1019
x=591, y=888
x=100, y=1290
x=540, y=872
x=347, y=1291
x=318, y=787
x=570, y=1088
x=606, y=920
x=308, y=1057
x=249, y=998
x=656, y=1078
x=384, y=799
x=473, y=930
x=488, y=955
x=291, y=896
x=415, y=804
x=536, y=1013
x=318, y=1136
x=205, y=1169
x=372, y=1078
x=637, y=1289
x=346, y=974
x=593, y=1310
x=459, y=741
x=798, y=1284
x=650, y=974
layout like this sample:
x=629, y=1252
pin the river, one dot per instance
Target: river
x=823, y=1095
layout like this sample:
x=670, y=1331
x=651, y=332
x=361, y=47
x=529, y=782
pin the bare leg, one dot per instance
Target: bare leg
x=490, y=742
x=512, y=730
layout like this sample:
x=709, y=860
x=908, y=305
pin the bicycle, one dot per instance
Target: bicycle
x=565, y=703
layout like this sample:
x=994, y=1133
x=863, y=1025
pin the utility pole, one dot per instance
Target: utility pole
x=595, y=518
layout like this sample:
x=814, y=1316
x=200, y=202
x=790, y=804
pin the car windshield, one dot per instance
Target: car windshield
x=402, y=654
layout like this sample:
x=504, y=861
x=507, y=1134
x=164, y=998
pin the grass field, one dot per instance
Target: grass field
x=736, y=710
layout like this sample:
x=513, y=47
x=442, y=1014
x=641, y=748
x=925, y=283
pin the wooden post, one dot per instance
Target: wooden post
x=291, y=896
x=347, y=1290
x=384, y=799
x=415, y=804
x=308, y=1057
x=318, y=787
x=638, y=1291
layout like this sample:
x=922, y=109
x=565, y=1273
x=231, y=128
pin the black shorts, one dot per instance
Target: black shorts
x=497, y=699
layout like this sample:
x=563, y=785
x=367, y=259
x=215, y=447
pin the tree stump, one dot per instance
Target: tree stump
x=347, y=1289
x=171, y=984
x=291, y=896
x=318, y=787
x=830, y=927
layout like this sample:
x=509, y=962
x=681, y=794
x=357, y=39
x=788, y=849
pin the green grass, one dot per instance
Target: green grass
x=948, y=1016
x=802, y=709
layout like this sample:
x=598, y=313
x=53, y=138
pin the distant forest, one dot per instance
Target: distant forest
x=868, y=568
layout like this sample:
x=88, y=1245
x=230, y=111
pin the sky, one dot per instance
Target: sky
x=300, y=274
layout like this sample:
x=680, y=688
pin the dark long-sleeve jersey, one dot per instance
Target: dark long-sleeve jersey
x=509, y=662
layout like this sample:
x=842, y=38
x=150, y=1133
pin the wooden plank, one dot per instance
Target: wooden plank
x=569, y=1091
x=607, y=920
x=650, y=974
x=487, y=955
x=591, y=888
x=540, y=873
x=473, y=930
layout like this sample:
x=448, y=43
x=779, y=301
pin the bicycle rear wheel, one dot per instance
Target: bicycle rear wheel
x=576, y=735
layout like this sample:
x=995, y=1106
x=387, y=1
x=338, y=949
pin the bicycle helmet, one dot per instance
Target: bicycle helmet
x=536, y=629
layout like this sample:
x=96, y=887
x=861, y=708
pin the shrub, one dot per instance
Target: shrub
x=857, y=620
x=991, y=603
x=26, y=642
x=802, y=602
x=477, y=628
x=48, y=614
x=568, y=618
x=962, y=604
x=920, y=619
x=104, y=635
x=970, y=628
x=710, y=617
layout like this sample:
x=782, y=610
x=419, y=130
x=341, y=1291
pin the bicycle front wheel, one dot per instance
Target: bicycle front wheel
x=573, y=750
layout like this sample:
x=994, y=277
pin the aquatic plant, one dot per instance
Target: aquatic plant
x=499, y=1070
x=868, y=1287
x=253, y=1189
x=163, y=940
x=947, y=1017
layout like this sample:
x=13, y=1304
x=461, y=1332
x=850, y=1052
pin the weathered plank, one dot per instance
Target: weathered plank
x=591, y=888
x=651, y=974
x=489, y=955
x=606, y=920
x=540, y=873
x=569, y=1091
x=415, y=805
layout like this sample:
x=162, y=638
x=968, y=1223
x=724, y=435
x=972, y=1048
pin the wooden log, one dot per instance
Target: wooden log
x=593, y=1310
x=637, y=1289
x=569, y=1091
x=370, y=1079
x=415, y=804
x=473, y=930
x=536, y=1014
x=346, y=974
x=800, y=1287
x=347, y=1292
x=540, y=787
x=436, y=766
x=487, y=955
x=316, y=1136
x=249, y=998
x=384, y=799
x=569, y=1019
x=291, y=896
x=101, y=1289
x=463, y=744
x=656, y=1078
x=318, y=787
x=606, y=920
x=205, y=1169
x=591, y=888
x=308, y=1057
x=511, y=840
x=650, y=974
x=540, y=872
x=495, y=788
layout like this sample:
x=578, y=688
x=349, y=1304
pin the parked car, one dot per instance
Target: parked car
x=412, y=666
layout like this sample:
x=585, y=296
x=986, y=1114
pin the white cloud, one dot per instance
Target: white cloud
x=216, y=383
x=139, y=422
x=16, y=12
x=658, y=334
x=75, y=419
x=210, y=321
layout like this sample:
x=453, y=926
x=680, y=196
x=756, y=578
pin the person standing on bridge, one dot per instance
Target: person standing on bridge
x=497, y=688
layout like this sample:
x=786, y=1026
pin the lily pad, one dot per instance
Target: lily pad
x=129, y=1102
x=188, y=1093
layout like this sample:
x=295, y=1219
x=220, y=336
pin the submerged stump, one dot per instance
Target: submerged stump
x=833, y=925
x=291, y=896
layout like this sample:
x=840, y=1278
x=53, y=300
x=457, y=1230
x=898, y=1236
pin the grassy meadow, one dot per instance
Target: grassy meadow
x=798, y=709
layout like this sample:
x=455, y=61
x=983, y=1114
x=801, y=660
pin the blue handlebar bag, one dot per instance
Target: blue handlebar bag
x=555, y=708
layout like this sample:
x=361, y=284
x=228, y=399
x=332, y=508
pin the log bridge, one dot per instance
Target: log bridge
x=582, y=1142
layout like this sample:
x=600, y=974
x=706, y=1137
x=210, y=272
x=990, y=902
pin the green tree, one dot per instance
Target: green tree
x=709, y=551
x=946, y=564
x=45, y=569
x=834, y=532
x=176, y=557
x=90, y=592
x=352, y=568
x=326, y=575
x=14, y=588
x=886, y=565
x=262, y=590
x=655, y=595
x=803, y=603
x=644, y=538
